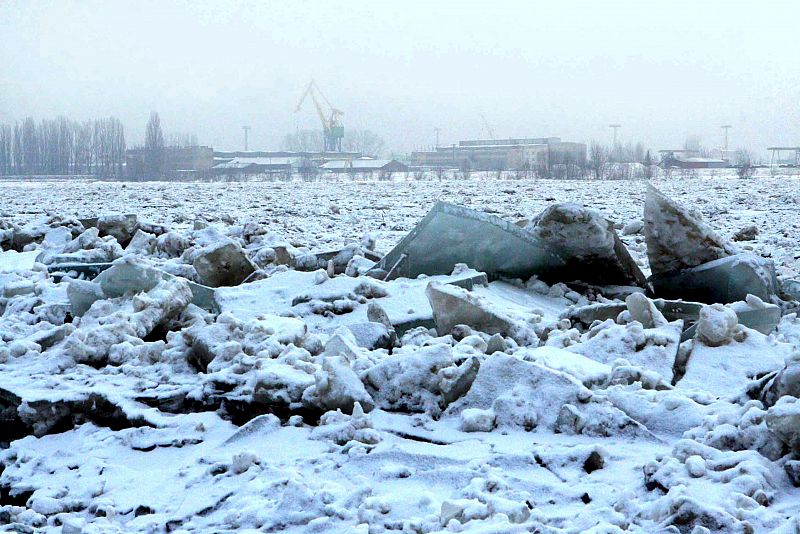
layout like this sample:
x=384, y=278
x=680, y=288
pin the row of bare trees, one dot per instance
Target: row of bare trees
x=605, y=162
x=62, y=146
x=365, y=142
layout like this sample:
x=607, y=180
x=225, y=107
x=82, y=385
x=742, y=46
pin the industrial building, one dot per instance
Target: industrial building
x=364, y=165
x=267, y=162
x=502, y=154
x=255, y=165
x=690, y=159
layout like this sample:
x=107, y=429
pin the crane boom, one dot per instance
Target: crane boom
x=310, y=91
x=332, y=129
x=488, y=128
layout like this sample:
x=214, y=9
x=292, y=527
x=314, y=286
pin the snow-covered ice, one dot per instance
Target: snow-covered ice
x=312, y=398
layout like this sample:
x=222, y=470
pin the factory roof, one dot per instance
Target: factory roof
x=363, y=164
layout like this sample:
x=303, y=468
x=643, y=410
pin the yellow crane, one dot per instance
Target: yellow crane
x=332, y=129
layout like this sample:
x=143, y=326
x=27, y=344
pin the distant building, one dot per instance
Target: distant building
x=255, y=165
x=502, y=154
x=689, y=159
x=364, y=165
x=178, y=161
x=315, y=158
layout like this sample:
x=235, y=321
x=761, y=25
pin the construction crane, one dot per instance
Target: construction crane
x=488, y=128
x=332, y=129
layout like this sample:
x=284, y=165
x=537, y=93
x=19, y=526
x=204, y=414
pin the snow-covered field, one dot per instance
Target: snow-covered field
x=290, y=407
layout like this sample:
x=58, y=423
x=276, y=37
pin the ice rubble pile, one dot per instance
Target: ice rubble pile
x=271, y=385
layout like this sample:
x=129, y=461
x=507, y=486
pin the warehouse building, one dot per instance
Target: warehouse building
x=502, y=154
x=690, y=159
x=315, y=158
x=364, y=165
x=255, y=165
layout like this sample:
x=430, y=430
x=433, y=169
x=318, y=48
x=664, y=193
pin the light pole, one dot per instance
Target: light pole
x=725, y=127
x=436, y=131
x=615, y=127
x=246, y=129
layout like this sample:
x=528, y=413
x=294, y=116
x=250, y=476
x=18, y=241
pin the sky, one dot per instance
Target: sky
x=664, y=70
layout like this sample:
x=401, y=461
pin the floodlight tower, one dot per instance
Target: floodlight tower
x=436, y=132
x=615, y=127
x=725, y=127
x=246, y=129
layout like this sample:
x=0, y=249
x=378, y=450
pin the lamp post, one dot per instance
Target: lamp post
x=246, y=129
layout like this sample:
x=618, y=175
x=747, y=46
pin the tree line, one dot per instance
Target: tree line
x=365, y=142
x=62, y=146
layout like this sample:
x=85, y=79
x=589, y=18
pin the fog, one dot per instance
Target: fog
x=664, y=70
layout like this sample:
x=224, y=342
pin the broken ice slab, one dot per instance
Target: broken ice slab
x=609, y=292
x=121, y=227
x=129, y=276
x=521, y=301
x=373, y=335
x=589, y=244
x=671, y=309
x=82, y=294
x=763, y=319
x=311, y=261
x=74, y=270
x=41, y=411
x=223, y=264
x=722, y=281
x=726, y=370
x=586, y=315
x=503, y=382
x=791, y=288
x=451, y=234
x=676, y=237
x=456, y=306
x=678, y=309
x=301, y=294
x=89, y=222
x=13, y=261
x=498, y=307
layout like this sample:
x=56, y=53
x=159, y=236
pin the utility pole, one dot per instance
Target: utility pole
x=436, y=131
x=725, y=127
x=615, y=127
x=246, y=129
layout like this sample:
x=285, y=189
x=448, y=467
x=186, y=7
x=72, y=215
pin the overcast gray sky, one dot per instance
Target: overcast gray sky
x=663, y=69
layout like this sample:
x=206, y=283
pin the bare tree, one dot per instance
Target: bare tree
x=30, y=147
x=6, y=147
x=598, y=158
x=365, y=142
x=694, y=144
x=465, y=169
x=17, y=148
x=647, y=163
x=62, y=147
x=304, y=141
x=154, y=145
x=743, y=161
x=181, y=140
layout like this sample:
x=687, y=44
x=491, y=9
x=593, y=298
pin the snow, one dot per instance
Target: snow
x=11, y=260
x=286, y=409
x=721, y=370
x=716, y=325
